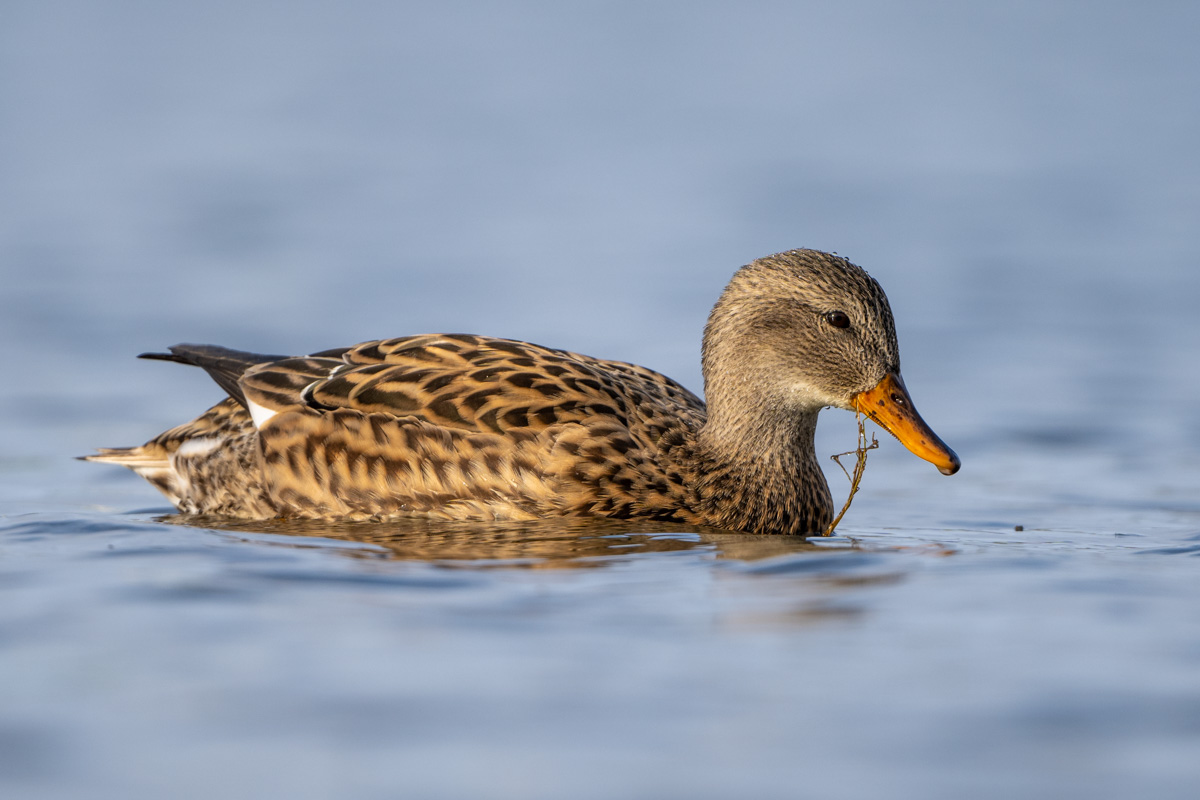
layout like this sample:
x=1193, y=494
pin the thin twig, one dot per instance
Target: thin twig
x=859, y=467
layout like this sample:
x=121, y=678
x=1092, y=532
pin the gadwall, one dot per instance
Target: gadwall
x=463, y=427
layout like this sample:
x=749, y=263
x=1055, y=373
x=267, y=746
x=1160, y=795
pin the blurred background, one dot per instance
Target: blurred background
x=1023, y=178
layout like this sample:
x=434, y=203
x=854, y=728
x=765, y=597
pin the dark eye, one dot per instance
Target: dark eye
x=838, y=319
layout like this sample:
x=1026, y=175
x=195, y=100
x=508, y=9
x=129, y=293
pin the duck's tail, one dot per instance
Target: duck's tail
x=151, y=461
x=150, y=456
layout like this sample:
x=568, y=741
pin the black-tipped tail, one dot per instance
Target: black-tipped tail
x=223, y=365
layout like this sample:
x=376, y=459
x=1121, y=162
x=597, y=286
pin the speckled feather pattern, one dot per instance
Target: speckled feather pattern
x=226, y=480
x=443, y=426
x=468, y=427
x=464, y=427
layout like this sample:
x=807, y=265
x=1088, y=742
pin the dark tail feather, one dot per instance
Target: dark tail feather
x=225, y=366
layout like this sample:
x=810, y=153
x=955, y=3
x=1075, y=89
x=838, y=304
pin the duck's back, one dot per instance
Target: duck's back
x=449, y=426
x=479, y=384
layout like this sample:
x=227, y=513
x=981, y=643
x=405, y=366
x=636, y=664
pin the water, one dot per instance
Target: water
x=1022, y=180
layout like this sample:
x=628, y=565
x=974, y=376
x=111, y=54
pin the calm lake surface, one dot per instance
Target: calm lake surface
x=1024, y=182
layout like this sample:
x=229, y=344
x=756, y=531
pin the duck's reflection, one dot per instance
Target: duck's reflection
x=540, y=544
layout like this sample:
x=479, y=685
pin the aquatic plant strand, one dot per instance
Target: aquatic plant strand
x=859, y=467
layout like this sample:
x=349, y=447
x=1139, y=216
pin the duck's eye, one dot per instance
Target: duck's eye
x=838, y=319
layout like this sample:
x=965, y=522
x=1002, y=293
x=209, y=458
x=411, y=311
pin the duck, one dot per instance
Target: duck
x=469, y=427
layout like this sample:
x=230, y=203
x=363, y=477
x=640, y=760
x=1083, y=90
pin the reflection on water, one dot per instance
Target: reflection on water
x=767, y=581
x=541, y=544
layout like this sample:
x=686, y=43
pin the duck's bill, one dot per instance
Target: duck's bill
x=890, y=406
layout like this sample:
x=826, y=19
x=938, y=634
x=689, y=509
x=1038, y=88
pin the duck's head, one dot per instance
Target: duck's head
x=801, y=330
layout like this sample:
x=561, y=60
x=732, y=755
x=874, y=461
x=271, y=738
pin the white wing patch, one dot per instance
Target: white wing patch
x=259, y=414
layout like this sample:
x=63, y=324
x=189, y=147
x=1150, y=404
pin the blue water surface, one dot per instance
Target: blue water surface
x=1022, y=178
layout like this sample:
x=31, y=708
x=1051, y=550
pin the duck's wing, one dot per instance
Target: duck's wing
x=466, y=383
x=223, y=365
x=460, y=426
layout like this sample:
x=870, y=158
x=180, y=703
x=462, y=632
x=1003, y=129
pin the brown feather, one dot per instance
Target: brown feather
x=464, y=427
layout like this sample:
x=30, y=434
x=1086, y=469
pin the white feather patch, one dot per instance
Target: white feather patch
x=259, y=414
x=198, y=446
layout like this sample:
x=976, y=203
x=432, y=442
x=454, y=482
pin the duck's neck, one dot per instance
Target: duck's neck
x=757, y=468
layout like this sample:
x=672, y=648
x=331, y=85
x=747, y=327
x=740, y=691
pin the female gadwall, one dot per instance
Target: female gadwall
x=472, y=428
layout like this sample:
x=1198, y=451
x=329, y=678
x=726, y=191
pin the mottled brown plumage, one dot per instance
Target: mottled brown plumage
x=464, y=427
